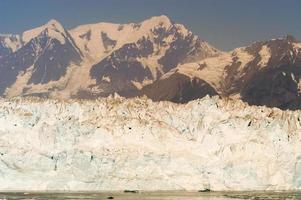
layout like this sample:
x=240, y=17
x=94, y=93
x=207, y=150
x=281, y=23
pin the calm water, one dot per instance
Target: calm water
x=156, y=196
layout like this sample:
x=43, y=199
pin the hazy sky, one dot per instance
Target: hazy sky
x=224, y=23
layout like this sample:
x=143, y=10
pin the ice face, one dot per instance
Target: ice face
x=117, y=144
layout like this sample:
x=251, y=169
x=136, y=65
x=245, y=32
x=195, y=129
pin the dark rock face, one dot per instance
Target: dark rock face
x=13, y=64
x=122, y=67
x=182, y=49
x=48, y=57
x=275, y=87
x=282, y=54
x=4, y=51
x=52, y=64
x=109, y=44
x=86, y=36
x=175, y=54
x=178, y=88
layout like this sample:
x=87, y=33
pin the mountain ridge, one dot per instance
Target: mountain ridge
x=149, y=41
x=235, y=74
x=156, y=57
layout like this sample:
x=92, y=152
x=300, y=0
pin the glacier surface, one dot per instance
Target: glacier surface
x=117, y=144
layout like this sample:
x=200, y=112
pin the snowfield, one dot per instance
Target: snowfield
x=117, y=144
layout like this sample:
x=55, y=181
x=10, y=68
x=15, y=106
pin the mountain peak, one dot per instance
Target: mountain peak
x=53, y=27
x=53, y=21
x=162, y=20
x=5, y=35
x=285, y=38
x=54, y=24
x=290, y=38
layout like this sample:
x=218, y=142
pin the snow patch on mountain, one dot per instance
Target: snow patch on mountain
x=151, y=62
x=210, y=70
x=153, y=22
x=144, y=82
x=88, y=37
x=242, y=57
x=265, y=54
x=118, y=144
x=68, y=85
x=18, y=87
x=297, y=46
x=11, y=41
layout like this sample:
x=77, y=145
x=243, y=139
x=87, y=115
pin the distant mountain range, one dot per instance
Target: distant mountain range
x=157, y=58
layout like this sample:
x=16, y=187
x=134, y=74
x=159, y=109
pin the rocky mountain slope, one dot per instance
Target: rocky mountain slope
x=118, y=144
x=264, y=73
x=43, y=55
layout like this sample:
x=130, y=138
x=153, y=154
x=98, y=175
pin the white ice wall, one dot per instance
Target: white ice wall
x=117, y=144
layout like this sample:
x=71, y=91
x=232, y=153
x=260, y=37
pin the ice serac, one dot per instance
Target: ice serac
x=118, y=144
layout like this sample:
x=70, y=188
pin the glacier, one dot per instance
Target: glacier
x=117, y=144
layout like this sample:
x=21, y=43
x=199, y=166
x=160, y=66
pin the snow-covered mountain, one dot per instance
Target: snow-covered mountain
x=39, y=56
x=134, y=55
x=119, y=144
x=157, y=58
x=264, y=73
x=95, y=59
